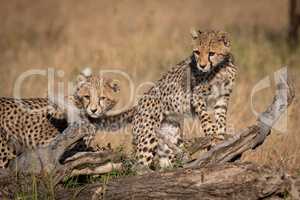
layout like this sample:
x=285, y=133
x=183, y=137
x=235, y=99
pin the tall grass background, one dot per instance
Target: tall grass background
x=144, y=38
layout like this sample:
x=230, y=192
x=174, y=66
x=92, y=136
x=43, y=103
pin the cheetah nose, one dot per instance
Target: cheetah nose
x=93, y=110
x=202, y=66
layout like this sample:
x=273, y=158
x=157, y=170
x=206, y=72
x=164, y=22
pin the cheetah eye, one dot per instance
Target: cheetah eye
x=102, y=98
x=196, y=51
x=211, y=53
x=86, y=96
x=106, y=100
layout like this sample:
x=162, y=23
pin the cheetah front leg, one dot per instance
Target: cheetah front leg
x=220, y=112
x=221, y=107
x=7, y=150
x=200, y=107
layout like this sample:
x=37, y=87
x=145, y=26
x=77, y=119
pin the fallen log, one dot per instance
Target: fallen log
x=220, y=181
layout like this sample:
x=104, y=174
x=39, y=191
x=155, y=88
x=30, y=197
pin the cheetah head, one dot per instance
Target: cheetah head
x=95, y=94
x=211, y=48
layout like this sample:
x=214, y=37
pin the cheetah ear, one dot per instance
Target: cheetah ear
x=83, y=76
x=194, y=34
x=199, y=32
x=224, y=37
x=87, y=72
x=81, y=79
x=114, y=85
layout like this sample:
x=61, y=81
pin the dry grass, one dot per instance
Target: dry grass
x=143, y=38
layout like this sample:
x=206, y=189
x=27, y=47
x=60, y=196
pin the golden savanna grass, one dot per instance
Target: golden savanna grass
x=144, y=38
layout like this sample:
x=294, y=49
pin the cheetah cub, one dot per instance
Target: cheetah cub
x=35, y=122
x=198, y=84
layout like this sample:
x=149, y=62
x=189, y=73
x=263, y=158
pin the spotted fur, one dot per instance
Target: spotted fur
x=30, y=123
x=202, y=81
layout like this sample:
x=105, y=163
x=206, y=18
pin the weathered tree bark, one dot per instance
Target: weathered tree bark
x=229, y=181
x=220, y=181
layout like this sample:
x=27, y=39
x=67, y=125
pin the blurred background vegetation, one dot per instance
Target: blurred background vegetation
x=144, y=38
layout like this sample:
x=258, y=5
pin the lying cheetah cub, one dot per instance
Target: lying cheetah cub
x=36, y=121
x=202, y=81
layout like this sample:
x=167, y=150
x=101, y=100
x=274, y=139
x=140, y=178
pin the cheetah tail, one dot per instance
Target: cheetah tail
x=115, y=122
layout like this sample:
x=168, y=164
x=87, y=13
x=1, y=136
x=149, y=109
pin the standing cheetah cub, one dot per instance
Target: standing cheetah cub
x=35, y=122
x=202, y=81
